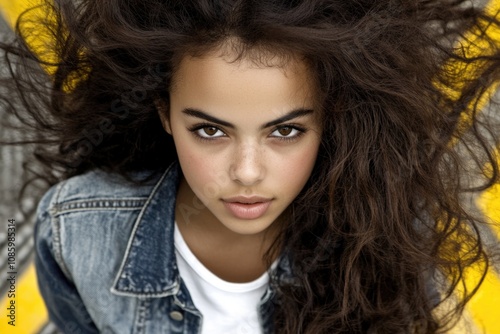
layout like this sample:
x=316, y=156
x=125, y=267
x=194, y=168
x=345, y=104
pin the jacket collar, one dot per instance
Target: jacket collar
x=149, y=266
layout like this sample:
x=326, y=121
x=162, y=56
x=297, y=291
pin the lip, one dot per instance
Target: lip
x=247, y=207
x=247, y=200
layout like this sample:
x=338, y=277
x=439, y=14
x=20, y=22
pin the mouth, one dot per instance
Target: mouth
x=247, y=200
x=247, y=207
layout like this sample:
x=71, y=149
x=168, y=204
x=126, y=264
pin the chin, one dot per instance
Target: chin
x=247, y=227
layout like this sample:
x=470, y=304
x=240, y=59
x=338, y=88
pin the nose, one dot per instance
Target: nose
x=247, y=167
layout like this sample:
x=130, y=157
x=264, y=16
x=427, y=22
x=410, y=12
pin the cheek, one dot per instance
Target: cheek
x=194, y=164
x=200, y=169
x=294, y=170
x=304, y=164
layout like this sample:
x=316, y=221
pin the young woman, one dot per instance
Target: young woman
x=259, y=166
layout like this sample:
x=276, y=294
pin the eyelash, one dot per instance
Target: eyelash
x=196, y=127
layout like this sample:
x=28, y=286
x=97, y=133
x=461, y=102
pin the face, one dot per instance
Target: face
x=247, y=138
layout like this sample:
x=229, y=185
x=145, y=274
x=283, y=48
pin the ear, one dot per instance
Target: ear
x=162, y=109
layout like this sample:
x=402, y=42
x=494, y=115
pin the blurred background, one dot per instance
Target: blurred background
x=482, y=314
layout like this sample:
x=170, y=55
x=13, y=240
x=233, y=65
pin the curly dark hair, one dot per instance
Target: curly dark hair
x=379, y=238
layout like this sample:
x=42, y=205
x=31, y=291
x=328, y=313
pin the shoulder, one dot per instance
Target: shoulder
x=95, y=210
x=100, y=184
x=95, y=187
x=98, y=213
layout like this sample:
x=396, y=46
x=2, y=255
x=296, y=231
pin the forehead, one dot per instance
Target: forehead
x=219, y=79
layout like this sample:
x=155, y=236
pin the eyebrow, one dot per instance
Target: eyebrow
x=289, y=116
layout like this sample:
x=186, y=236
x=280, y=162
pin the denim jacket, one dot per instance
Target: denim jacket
x=106, y=262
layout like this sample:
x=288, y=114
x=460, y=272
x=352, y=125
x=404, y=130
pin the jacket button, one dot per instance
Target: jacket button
x=176, y=315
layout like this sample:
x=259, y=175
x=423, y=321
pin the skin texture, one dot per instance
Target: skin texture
x=246, y=159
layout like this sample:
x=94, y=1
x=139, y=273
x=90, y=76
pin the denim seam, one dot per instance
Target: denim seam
x=100, y=204
x=141, y=316
x=56, y=235
x=59, y=213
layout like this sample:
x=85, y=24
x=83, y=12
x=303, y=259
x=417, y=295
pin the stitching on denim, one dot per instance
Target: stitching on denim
x=132, y=203
x=131, y=293
x=140, y=321
x=99, y=209
x=56, y=234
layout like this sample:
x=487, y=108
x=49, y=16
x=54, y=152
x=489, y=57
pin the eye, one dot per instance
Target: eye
x=287, y=132
x=208, y=132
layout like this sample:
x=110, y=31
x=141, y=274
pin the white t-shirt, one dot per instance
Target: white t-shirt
x=227, y=308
